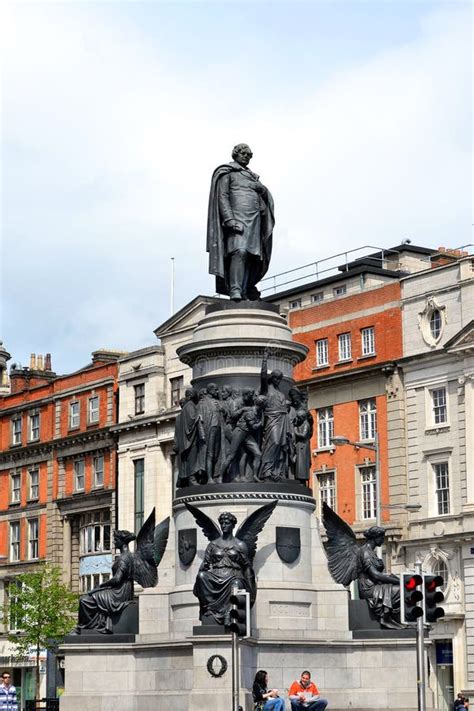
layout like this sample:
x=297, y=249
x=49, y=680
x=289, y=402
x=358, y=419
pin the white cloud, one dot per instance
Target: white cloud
x=109, y=147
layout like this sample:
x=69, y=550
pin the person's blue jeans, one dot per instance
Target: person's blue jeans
x=317, y=705
x=277, y=704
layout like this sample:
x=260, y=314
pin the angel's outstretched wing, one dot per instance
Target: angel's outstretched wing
x=250, y=528
x=341, y=547
x=149, y=551
x=160, y=539
x=209, y=528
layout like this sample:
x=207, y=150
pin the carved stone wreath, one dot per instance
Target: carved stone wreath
x=223, y=665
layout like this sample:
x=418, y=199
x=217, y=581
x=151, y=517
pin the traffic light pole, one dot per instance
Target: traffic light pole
x=420, y=653
x=235, y=665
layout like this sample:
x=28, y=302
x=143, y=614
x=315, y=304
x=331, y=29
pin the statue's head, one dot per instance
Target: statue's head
x=202, y=393
x=190, y=394
x=227, y=521
x=122, y=537
x=375, y=533
x=248, y=396
x=226, y=392
x=296, y=396
x=212, y=390
x=276, y=376
x=242, y=154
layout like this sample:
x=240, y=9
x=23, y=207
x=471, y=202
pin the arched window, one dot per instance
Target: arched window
x=439, y=567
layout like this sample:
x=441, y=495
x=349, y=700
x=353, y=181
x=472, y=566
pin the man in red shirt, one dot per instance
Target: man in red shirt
x=304, y=694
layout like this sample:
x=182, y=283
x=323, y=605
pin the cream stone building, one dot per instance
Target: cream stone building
x=438, y=375
x=151, y=382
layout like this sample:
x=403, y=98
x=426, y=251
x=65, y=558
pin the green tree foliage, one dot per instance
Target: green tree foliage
x=43, y=610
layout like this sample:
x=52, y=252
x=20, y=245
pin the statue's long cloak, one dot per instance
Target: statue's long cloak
x=216, y=237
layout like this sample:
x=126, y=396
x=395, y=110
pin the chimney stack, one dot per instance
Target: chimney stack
x=39, y=362
x=47, y=361
x=33, y=361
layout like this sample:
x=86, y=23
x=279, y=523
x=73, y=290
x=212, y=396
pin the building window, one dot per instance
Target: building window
x=177, y=385
x=74, y=415
x=367, y=419
x=98, y=463
x=436, y=324
x=316, y=298
x=439, y=406
x=34, y=432
x=327, y=490
x=339, y=290
x=33, y=530
x=16, y=430
x=325, y=427
x=322, y=352
x=139, y=476
x=441, y=472
x=368, y=341
x=344, y=342
x=15, y=491
x=34, y=484
x=368, y=483
x=93, y=409
x=88, y=582
x=439, y=567
x=139, y=398
x=14, y=613
x=79, y=475
x=94, y=532
x=14, y=541
x=295, y=304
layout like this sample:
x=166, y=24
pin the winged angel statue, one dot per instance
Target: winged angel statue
x=98, y=605
x=227, y=560
x=348, y=561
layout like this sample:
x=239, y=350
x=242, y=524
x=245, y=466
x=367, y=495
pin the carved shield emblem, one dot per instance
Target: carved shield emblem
x=187, y=545
x=288, y=543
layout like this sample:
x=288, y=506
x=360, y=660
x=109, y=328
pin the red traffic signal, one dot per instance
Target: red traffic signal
x=410, y=596
x=433, y=597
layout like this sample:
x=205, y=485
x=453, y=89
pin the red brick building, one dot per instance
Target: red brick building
x=57, y=474
x=351, y=323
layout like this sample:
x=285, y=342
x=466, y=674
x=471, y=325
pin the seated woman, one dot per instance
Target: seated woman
x=265, y=699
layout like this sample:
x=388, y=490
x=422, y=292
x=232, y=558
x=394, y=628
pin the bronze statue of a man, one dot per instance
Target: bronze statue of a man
x=239, y=227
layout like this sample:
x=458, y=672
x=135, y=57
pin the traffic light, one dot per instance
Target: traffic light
x=240, y=613
x=410, y=596
x=433, y=596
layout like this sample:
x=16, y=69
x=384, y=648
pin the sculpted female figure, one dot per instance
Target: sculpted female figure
x=112, y=596
x=348, y=561
x=227, y=561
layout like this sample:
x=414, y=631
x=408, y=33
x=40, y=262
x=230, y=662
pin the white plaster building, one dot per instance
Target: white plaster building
x=438, y=372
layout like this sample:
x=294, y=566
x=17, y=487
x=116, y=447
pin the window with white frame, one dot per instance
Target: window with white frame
x=325, y=427
x=344, y=344
x=33, y=492
x=177, y=390
x=74, y=415
x=14, y=541
x=139, y=391
x=34, y=426
x=439, y=406
x=33, y=538
x=295, y=304
x=98, y=464
x=93, y=409
x=368, y=492
x=439, y=567
x=317, y=297
x=436, y=324
x=368, y=341
x=322, y=351
x=16, y=430
x=339, y=290
x=12, y=588
x=95, y=532
x=367, y=419
x=15, y=487
x=93, y=580
x=441, y=476
x=139, y=492
x=79, y=475
x=327, y=490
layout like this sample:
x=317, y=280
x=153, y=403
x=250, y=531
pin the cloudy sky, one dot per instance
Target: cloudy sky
x=114, y=115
